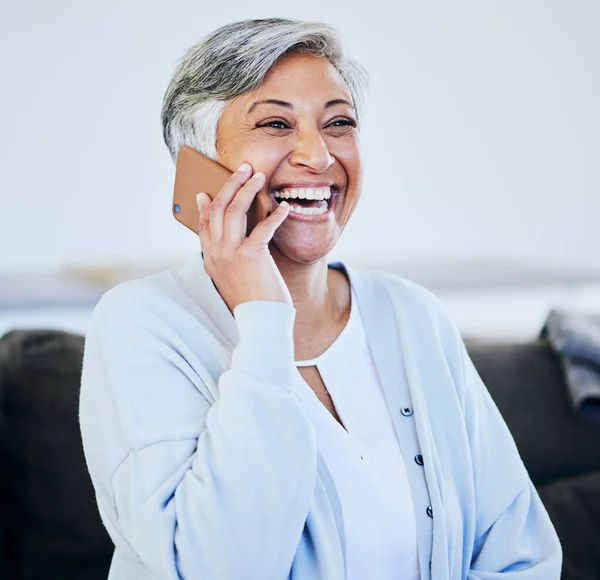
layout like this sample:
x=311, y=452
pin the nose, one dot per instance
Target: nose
x=311, y=152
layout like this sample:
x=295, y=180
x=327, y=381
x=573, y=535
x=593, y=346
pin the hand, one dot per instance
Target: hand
x=241, y=266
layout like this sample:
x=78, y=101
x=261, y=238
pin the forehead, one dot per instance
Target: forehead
x=302, y=75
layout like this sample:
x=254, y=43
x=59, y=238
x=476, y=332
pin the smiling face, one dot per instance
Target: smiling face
x=299, y=129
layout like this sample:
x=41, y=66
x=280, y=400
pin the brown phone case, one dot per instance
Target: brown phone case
x=194, y=173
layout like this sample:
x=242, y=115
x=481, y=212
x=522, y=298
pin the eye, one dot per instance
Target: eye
x=342, y=123
x=274, y=124
x=341, y=127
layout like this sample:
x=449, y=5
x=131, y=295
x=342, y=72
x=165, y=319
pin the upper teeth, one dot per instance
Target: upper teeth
x=318, y=193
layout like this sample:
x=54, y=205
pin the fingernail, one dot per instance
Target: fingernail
x=258, y=175
x=244, y=167
x=199, y=197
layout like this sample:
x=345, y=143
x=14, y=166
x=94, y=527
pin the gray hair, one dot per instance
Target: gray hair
x=234, y=60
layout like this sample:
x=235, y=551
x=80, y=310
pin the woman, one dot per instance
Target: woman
x=258, y=414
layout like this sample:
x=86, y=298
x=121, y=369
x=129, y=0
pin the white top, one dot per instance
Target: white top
x=364, y=459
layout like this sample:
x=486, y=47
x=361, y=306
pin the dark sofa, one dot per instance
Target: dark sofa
x=49, y=524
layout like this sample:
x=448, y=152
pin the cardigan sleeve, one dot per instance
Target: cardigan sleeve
x=514, y=537
x=203, y=490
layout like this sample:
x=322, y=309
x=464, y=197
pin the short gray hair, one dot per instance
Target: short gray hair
x=234, y=60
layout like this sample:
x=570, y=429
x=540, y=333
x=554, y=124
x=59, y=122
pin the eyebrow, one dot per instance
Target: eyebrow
x=290, y=106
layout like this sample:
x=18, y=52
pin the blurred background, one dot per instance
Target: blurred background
x=481, y=144
x=482, y=154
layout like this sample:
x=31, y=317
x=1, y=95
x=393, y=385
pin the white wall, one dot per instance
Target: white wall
x=483, y=137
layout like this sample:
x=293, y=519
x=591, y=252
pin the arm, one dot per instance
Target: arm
x=514, y=536
x=204, y=491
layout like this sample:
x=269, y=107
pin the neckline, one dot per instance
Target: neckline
x=340, y=337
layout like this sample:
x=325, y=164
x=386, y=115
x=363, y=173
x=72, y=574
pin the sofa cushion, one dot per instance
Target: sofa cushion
x=573, y=504
x=527, y=385
x=52, y=526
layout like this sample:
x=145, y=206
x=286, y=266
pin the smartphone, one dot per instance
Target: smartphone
x=194, y=172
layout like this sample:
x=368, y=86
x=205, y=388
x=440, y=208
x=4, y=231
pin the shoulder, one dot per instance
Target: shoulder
x=173, y=316
x=411, y=293
x=153, y=313
x=421, y=316
x=146, y=358
x=133, y=317
x=160, y=297
x=412, y=301
x=134, y=300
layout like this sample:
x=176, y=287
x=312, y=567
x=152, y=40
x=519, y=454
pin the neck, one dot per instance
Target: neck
x=321, y=298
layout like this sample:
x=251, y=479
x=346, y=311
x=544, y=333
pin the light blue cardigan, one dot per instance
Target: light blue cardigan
x=206, y=467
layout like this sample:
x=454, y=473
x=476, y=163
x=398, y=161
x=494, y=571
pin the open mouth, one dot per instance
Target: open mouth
x=307, y=201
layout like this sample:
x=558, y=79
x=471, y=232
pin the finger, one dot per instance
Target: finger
x=223, y=199
x=203, y=201
x=236, y=213
x=264, y=231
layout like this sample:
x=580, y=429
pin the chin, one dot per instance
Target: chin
x=308, y=253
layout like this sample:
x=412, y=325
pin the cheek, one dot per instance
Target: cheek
x=240, y=145
x=347, y=152
x=268, y=157
x=356, y=164
x=351, y=161
x=352, y=164
x=262, y=154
